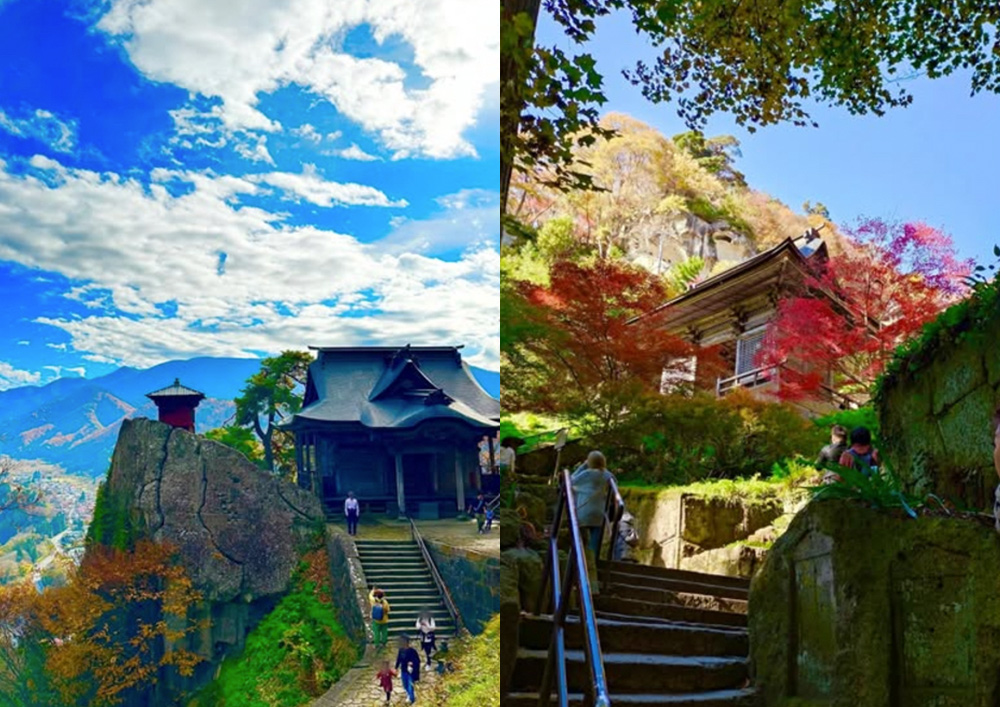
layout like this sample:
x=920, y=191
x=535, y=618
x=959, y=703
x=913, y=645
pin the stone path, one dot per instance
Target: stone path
x=359, y=688
x=458, y=534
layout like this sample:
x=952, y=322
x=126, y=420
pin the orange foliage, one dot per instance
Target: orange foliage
x=112, y=624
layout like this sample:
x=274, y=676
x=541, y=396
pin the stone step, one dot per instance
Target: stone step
x=640, y=636
x=638, y=672
x=719, y=698
x=678, y=585
x=692, y=599
x=615, y=607
x=399, y=572
x=394, y=563
x=663, y=573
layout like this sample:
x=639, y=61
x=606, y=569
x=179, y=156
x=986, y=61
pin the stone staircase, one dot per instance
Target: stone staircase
x=669, y=638
x=398, y=568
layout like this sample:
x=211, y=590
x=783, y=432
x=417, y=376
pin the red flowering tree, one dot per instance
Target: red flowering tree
x=581, y=352
x=856, y=308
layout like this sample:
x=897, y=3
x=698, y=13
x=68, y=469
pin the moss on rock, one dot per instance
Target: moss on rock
x=857, y=608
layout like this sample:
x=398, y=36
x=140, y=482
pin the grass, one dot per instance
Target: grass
x=294, y=655
x=476, y=680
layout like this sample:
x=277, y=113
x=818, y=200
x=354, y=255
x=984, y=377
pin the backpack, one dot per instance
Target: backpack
x=865, y=463
x=378, y=611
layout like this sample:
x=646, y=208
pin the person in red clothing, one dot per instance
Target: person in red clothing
x=385, y=676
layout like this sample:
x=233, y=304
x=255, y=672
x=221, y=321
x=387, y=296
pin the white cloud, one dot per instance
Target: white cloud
x=309, y=185
x=308, y=132
x=11, y=377
x=467, y=217
x=43, y=126
x=136, y=246
x=238, y=51
x=23, y=343
x=355, y=153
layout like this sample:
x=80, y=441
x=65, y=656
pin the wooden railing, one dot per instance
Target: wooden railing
x=438, y=580
x=749, y=379
x=562, y=587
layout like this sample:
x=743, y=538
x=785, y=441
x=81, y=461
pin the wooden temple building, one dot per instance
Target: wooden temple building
x=733, y=310
x=399, y=427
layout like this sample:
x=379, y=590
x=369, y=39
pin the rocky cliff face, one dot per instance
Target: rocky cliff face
x=669, y=239
x=238, y=529
x=240, y=532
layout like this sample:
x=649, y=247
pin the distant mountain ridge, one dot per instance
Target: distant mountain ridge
x=74, y=422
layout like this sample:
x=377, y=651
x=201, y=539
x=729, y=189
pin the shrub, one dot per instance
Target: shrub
x=862, y=417
x=476, y=680
x=294, y=655
x=678, y=439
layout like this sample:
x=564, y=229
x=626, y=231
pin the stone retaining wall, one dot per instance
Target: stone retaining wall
x=675, y=527
x=935, y=418
x=473, y=580
x=349, y=588
x=860, y=608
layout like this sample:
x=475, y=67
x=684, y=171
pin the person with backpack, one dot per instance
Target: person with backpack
x=408, y=665
x=352, y=509
x=627, y=540
x=380, y=617
x=861, y=455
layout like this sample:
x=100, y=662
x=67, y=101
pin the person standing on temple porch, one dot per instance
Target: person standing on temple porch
x=352, y=509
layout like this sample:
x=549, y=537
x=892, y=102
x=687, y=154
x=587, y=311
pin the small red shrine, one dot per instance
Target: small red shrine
x=176, y=405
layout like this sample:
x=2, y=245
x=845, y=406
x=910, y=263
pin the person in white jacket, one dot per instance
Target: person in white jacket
x=427, y=627
x=352, y=509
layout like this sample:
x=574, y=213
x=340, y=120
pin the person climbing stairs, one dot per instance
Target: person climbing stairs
x=669, y=638
x=398, y=568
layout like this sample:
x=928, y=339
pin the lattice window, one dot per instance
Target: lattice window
x=747, y=348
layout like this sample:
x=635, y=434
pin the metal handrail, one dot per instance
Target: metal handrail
x=614, y=509
x=562, y=593
x=449, y=603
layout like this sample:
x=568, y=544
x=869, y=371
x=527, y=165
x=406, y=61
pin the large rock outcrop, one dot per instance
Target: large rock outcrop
x=861, y=608
x=240, y=534
x=240, y=531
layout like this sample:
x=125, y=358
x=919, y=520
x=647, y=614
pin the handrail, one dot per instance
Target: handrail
x=576, y=577
x=614, y=509
x=449, y=603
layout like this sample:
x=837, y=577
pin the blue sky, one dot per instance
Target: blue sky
x=934, y=161
x=183, y=178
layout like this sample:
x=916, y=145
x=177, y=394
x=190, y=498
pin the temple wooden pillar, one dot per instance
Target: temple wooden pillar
x=400, y=486
x=459, y=481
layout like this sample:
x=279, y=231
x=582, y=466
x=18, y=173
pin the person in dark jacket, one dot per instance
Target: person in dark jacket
x=832, y=452
x=408, y=665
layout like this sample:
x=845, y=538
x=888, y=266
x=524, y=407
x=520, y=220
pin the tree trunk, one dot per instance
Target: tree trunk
x=511, y=98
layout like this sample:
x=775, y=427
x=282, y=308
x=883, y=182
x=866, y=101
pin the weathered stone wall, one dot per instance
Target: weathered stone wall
x=936, y=419
x=473, y=580
x=676, y=527
x=347, y=580
x=859, y=608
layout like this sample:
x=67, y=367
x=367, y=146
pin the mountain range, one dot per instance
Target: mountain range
x=74, y=422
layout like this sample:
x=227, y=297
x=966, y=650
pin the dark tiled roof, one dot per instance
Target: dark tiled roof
x=175, y=391
x=382, y=387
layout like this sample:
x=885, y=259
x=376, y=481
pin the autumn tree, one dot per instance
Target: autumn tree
x=270, y=396
x=858, y=307
x=118, y=623
x=852, y=55
x=574, y=348
x=24, y=681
